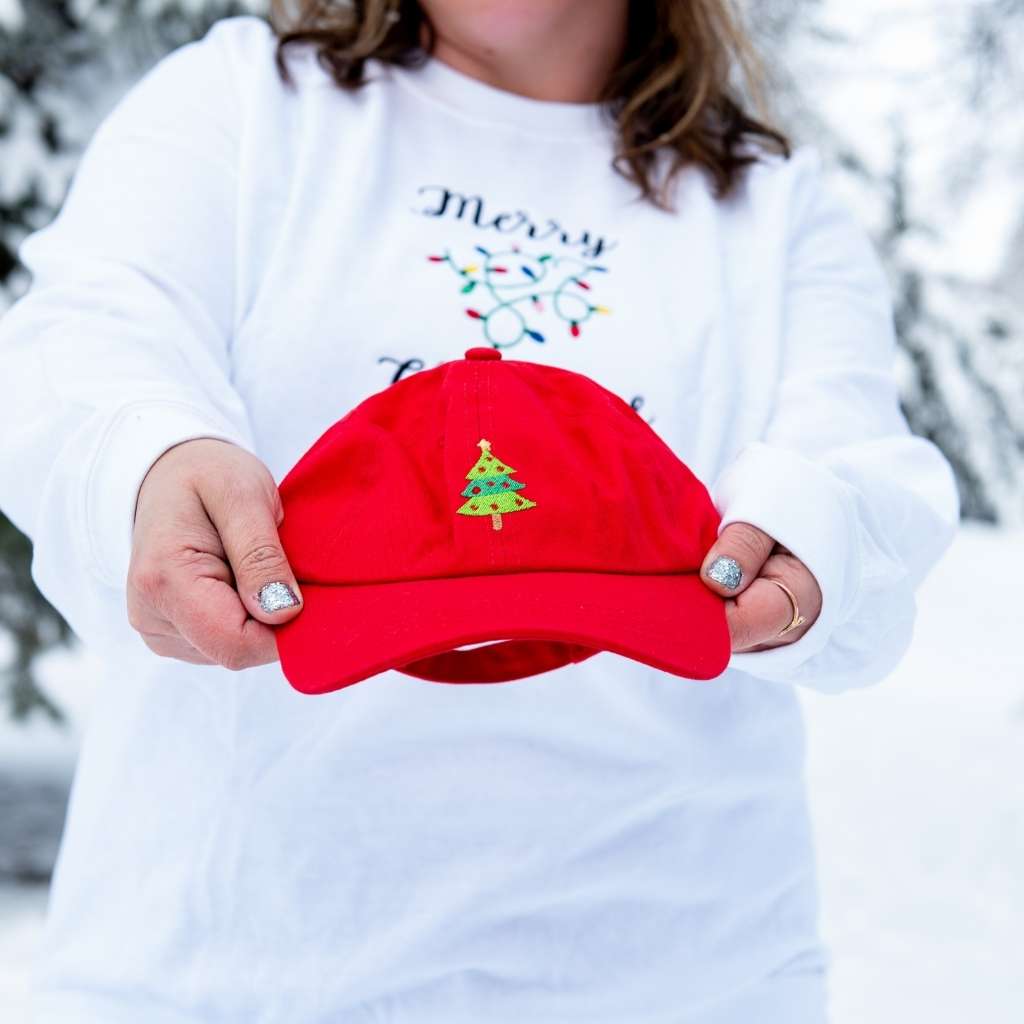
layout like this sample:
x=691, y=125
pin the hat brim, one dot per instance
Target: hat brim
x=347, y=633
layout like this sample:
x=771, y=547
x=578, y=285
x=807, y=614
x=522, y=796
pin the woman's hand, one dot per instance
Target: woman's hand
x=204, y=548
x=741, y=563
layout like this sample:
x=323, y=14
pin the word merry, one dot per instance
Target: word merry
x=446, y=203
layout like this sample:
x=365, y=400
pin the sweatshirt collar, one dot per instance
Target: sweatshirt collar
x=477, y=100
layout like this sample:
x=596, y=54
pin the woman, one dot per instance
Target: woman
x=243, y=256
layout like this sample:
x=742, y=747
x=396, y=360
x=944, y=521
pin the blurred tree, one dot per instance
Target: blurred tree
x=31, y=623
x=961, y=338
x=963, y=358
x=993, y=39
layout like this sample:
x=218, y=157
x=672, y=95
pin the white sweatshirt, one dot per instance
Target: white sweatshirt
x=605, y=843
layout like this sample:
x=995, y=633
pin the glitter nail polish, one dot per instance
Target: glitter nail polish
x=275, y=596
x=727, y=571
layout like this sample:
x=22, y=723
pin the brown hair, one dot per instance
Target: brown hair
x=671, y=90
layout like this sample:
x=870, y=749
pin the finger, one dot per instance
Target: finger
x=763, y=610
x=758, y=615
x=175, y=647
x=143, y=617
x=736, y=558
x=246, y=516
x=217, y=624
x=158, y=633
x=191, y=590
x=784, y=566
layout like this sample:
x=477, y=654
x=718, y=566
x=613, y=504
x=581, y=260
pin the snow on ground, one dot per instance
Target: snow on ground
x=36, y=762
x=21, y=922
x=917, y=789
x=917, y=793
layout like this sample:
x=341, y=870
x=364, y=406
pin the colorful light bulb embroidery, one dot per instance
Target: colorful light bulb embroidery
x=510, y=286
x=491, y=491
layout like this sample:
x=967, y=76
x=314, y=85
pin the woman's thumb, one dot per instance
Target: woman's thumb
x=263, y=578
x=736, y=558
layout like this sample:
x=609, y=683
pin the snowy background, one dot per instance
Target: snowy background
x=917, y=784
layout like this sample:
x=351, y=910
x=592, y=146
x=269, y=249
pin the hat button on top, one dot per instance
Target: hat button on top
x=482, y=353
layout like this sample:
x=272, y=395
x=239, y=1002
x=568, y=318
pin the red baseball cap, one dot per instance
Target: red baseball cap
x=500, y=500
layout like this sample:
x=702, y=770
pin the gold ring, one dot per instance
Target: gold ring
x=798, y=619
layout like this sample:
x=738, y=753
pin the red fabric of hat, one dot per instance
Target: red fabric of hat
x=495, y=500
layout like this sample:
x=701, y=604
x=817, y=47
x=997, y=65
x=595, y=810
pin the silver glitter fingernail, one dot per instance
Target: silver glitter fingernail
x=275, y=596
x=727, y=571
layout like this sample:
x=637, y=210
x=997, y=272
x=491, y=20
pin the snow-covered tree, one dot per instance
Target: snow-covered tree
x=914, y=108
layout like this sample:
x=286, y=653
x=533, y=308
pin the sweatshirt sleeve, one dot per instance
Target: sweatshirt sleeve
x=120, y=347
x=837, y=477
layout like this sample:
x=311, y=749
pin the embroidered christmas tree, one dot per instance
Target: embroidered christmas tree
x=491, y=490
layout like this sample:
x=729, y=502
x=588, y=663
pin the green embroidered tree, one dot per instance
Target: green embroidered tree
x=490, y=490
